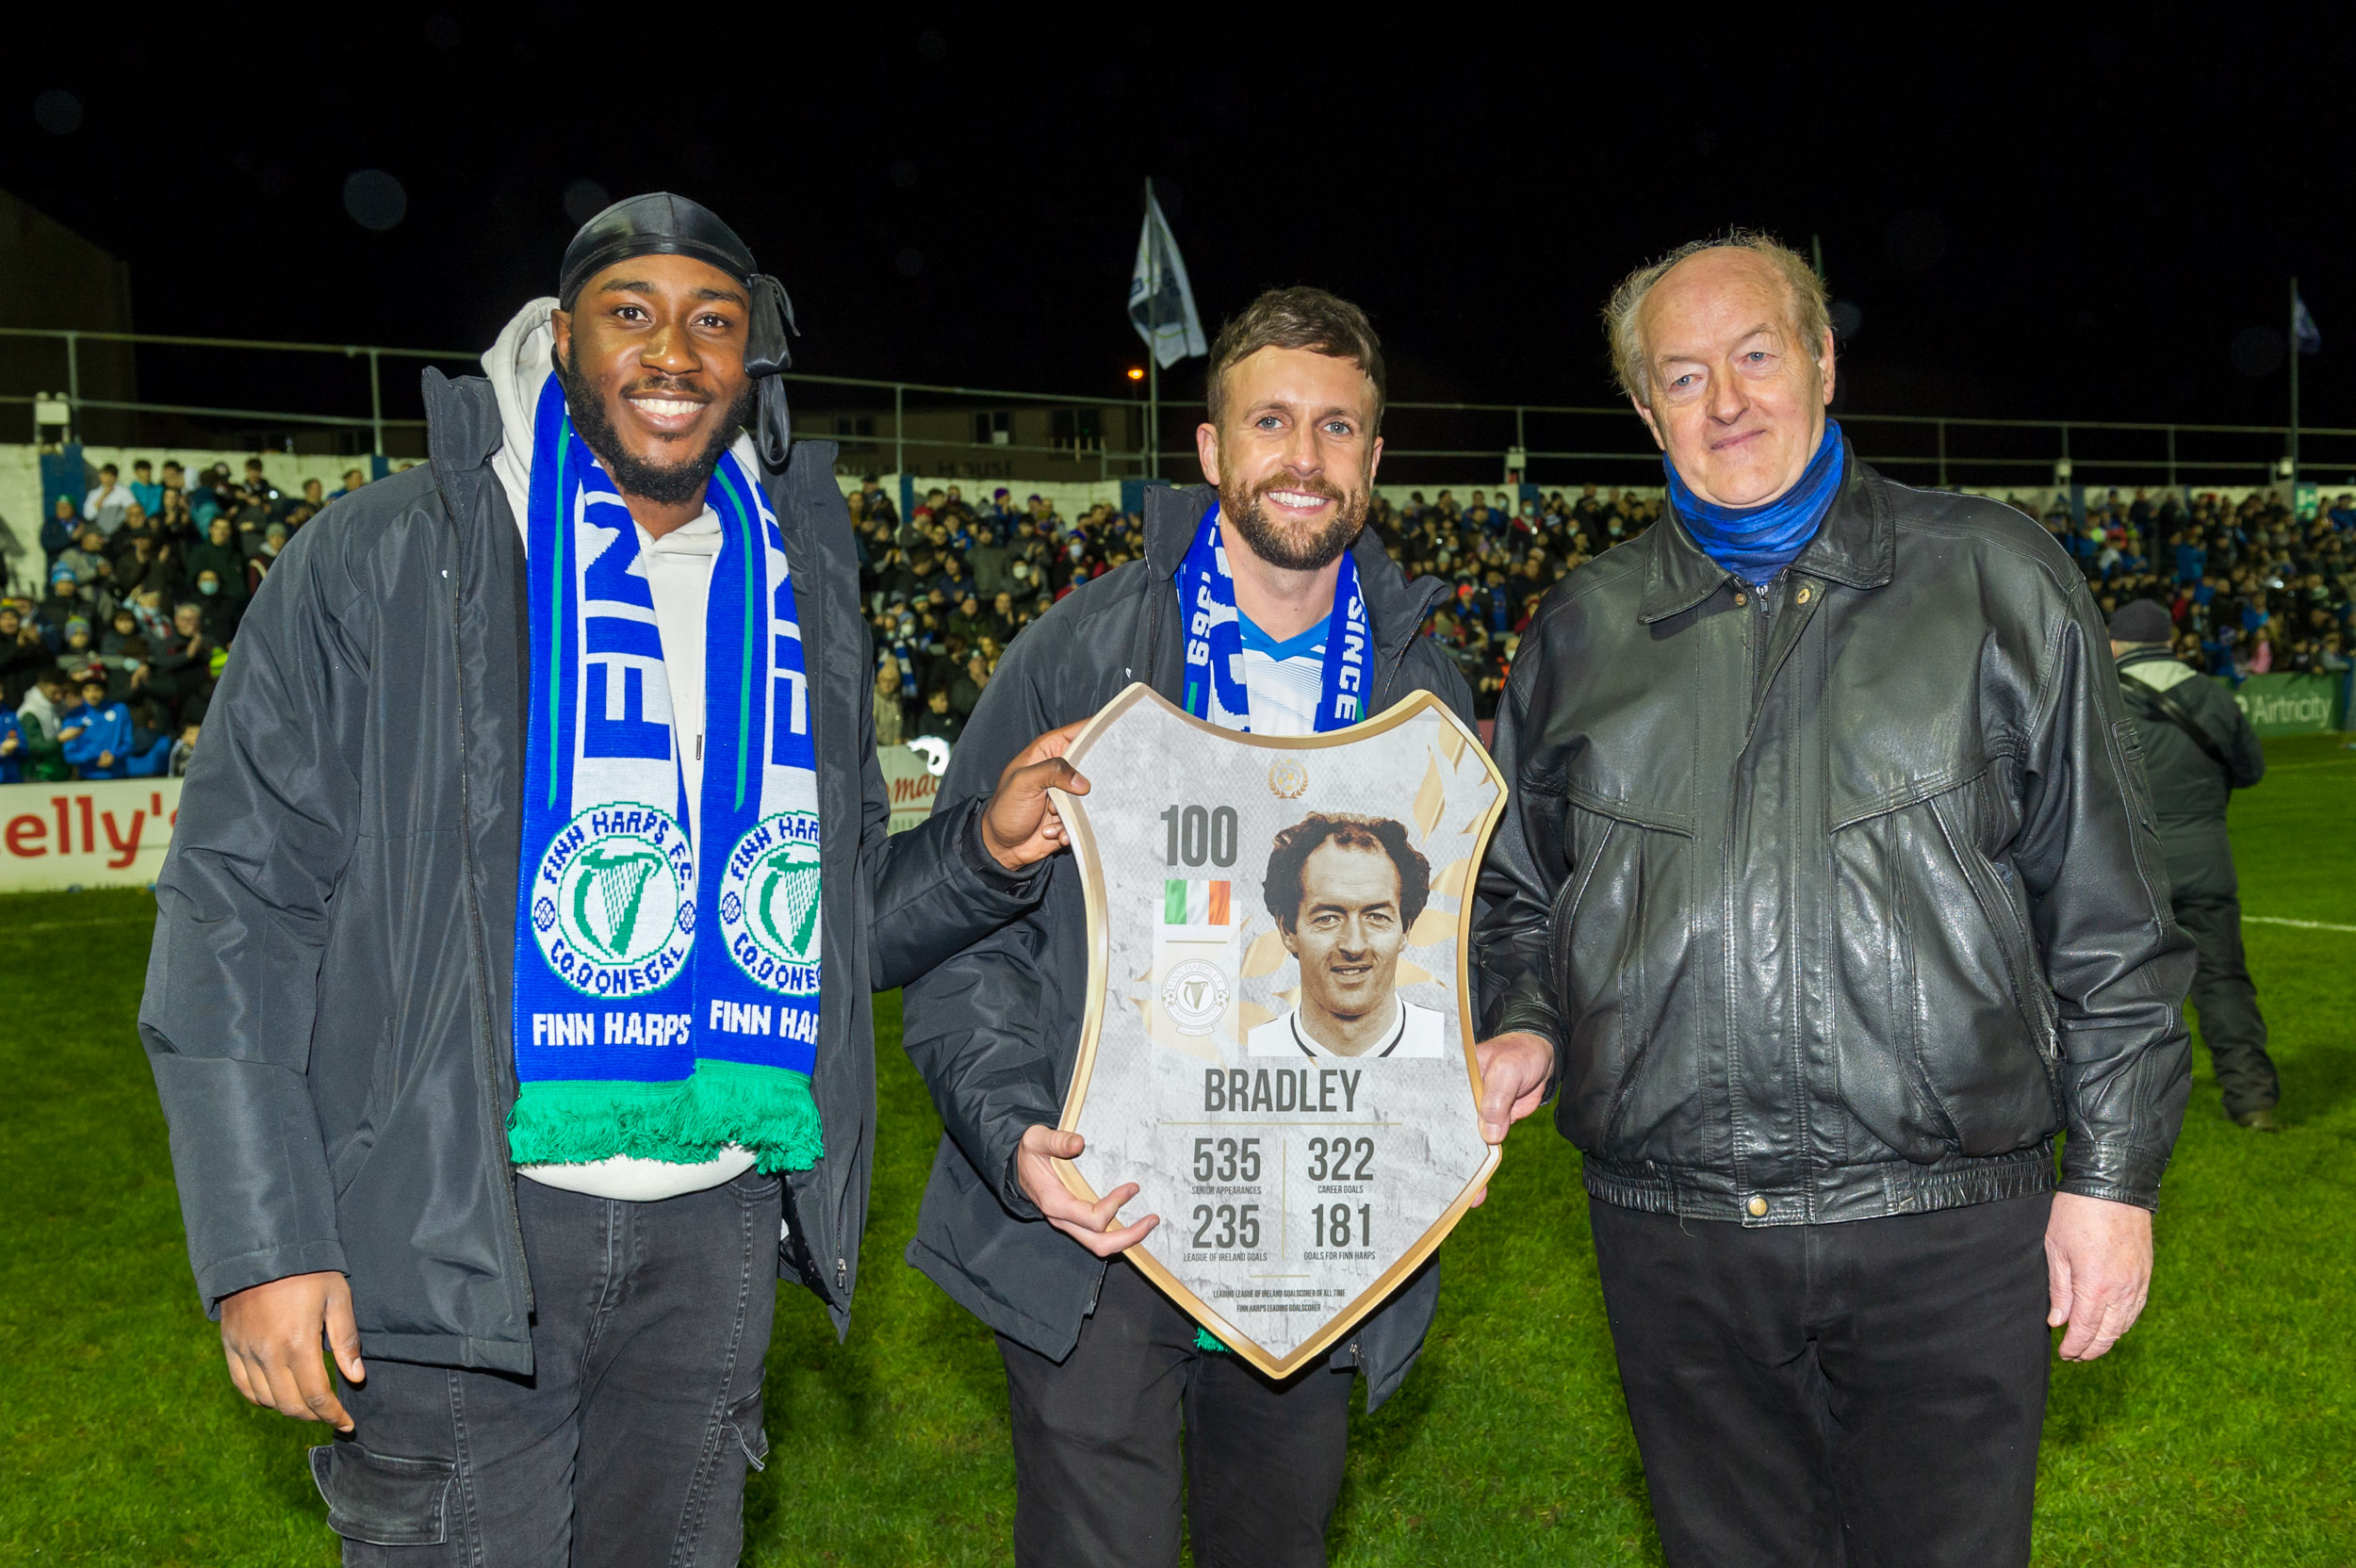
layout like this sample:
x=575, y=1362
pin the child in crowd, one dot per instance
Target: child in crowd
x=184, y=749
x=105, y=743
x=41, y=728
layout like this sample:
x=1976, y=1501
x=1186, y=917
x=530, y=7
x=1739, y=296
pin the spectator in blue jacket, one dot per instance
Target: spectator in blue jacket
x=58, y=530
x=110, y=745
x=11, y=749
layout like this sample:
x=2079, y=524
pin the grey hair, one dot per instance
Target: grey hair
x=1810, y=308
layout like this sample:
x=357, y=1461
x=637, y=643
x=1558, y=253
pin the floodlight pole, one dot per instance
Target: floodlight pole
x=1152, y=343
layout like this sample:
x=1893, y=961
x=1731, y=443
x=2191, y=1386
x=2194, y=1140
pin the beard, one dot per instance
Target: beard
x=1288, y=549
x=665, y=483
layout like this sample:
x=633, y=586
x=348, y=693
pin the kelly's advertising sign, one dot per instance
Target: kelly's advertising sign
x=107, y=833
x=113, y=833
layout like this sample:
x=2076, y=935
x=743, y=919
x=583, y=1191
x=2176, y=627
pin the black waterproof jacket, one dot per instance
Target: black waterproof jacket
x=2190, y=789
x=1843, y=900
x=996, y=1030
x=329, y=991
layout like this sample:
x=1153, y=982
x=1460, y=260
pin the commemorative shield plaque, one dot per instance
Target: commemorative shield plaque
x=1278, y=1041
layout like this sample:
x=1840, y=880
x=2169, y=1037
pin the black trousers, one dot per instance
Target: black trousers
x=2231, y=1025
x=1097, y=1464
x=629, y=1444
x=1859, y=1396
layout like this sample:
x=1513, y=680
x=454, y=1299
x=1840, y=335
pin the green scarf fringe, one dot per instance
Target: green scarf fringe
x=1205, y=1340
x=579, y=1121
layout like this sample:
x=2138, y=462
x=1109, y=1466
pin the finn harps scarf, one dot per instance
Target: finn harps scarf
x=665, y=984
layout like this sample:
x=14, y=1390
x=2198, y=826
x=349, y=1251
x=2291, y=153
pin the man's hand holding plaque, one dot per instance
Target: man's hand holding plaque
x=1094, y=1225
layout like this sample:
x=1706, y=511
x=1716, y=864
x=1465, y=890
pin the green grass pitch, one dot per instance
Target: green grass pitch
x=2222, y=1431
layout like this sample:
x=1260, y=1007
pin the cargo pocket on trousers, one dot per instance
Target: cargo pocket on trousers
x=380, y=1500
x=744, y=1419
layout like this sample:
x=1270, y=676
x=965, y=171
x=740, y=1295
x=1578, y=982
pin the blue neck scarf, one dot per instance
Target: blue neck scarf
x=1757, y=542
x=1214, y=685
x=666, y=983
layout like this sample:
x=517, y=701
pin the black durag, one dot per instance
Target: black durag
x=661, y=225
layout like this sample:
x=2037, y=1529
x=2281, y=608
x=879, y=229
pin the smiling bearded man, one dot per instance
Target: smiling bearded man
x=509, y=1000
x=1830, y=873
x=1251, y=600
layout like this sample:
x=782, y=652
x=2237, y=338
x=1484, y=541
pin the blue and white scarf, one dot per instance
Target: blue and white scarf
x=1757, y=542
x=1215, y=682
x=667, y=986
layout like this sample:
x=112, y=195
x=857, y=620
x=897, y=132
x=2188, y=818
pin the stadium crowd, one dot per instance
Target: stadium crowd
x=107, y=664
x=2252, y=588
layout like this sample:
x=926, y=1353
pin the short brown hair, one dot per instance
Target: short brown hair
x=1803, y=294
x=1297, y=318
x=1288, y=860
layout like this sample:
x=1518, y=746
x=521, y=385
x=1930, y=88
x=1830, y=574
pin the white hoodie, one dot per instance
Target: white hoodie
x=677, y=568
x=37, y=712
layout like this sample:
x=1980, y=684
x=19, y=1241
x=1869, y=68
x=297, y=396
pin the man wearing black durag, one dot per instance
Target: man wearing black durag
x=509, y=999
x=2197, y=749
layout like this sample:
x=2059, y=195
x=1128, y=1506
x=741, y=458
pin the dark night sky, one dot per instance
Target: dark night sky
x=2068, y=222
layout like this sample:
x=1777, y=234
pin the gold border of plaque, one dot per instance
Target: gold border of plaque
x=1074, y=811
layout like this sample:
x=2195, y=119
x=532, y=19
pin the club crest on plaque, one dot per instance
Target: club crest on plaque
x=1278, y=1043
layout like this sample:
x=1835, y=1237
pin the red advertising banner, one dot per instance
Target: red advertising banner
x=94, y=834
x=113, y=833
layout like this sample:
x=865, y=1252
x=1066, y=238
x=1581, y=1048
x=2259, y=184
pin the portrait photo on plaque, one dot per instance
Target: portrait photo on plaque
x=1278, y=1043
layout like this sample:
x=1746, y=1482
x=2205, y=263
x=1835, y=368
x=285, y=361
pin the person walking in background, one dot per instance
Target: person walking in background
x=1825, y=878
x=2197, y=749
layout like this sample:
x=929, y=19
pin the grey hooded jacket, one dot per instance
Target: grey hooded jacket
x=996, y=1030
x=328, y=995
x=2190, y=789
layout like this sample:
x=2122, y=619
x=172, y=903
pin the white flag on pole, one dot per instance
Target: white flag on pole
x=1161, y=302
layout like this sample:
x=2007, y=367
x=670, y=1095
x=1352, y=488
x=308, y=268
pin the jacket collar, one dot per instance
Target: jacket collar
x=462, y=422
x=1856, y=546
x=1395, y=608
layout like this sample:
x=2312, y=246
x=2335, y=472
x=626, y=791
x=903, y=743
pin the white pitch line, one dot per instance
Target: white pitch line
x=2302, y=924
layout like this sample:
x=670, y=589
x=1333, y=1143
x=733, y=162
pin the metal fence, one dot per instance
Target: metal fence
x=983, y=432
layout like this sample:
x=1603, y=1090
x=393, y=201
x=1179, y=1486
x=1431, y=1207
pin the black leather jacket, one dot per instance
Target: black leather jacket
x=1841, y=900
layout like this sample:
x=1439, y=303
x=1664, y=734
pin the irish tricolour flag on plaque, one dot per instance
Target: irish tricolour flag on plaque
x=1185, y=903
x=1193, y=979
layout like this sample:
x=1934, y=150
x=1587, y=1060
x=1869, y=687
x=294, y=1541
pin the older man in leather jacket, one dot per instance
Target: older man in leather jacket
x=1830, y=876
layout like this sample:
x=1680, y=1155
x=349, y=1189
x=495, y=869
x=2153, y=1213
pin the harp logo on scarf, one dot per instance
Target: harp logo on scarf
x=613, y=904
x=769, y=903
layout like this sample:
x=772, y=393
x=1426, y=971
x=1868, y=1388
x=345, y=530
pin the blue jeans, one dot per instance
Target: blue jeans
x=629, y=1442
